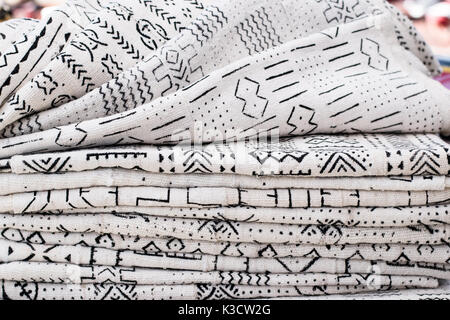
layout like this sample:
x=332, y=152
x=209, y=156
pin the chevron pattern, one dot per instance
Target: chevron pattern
x=120, y=39
x=77, y=70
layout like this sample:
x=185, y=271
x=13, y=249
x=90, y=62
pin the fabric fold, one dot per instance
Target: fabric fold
x=75, y=274
x=192, y=149
x=41, y=291
x=358, y=155
x=133, y=30
x=293, y=103
x=220, y=230
x=32, y=51
x=105, y=249
x=14, y=183
x=188, y=57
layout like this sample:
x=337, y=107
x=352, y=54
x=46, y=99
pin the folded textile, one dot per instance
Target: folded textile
x=10, y=29
x=347, y=216
x=19, y=290
x=198, y=197
x=76, y=274
x=442, y=293
x=32, y=51
x=289, y=106
x=207, y=263
x=154, y=149
x=13, y=183
x=220, y=230
x=223, y=33
x=118, y=177
x=117, y=37
x=110, y=249
x=316, y=156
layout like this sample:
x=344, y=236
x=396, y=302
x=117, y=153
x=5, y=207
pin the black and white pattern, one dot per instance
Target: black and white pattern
x=87, y=61
x=111, y=249
x=295, y=102
x=31, y=51
x=20, y=290
x=190, y=149
x=311, y=156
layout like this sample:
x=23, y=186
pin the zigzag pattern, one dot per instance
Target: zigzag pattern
x=206, y=29
x=12, y=52
x=202, y=29
x=27, y=125
x=425, y=162
x=197, y=31
x=105, y=95
x=35, y=119
x=206, y=14
x=115, y=65
x=22, y=126
x=196, y=4
x=243, y=278
x=121, y=94
x=216, y=16
x=124, y=44
x=131, y=88
x=263, y=43
x=145, y=96
x=257, y=33
x=21, y=105
x=77, y=70
x=206, y=292
x=108, y=70
x=342, y=162
x=33, y=47
x=164, y=15
x=247, y=38
x=270, y=30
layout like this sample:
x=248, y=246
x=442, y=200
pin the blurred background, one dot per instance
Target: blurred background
x=431, y=17
x=25, y=8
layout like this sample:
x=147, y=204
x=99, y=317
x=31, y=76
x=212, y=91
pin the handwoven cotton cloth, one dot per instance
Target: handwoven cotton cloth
x=110, y=249
x=315, y=156
x=288, y=106
x=345, y=216
x=424, y=233
x=223, y=33
x=117, y=37
x=10, y=29
x=74, y=274
x=289, y=266
x=14, y=183
x=221, y=149
x=219, y=230
x=198, y=197
x=32, y=51
x=19, y=290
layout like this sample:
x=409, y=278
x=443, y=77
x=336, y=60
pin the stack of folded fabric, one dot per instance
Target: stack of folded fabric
x=222, y=149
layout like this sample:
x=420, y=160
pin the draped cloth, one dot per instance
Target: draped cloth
x=217, y=149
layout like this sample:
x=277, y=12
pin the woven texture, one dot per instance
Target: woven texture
x=192, y=149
